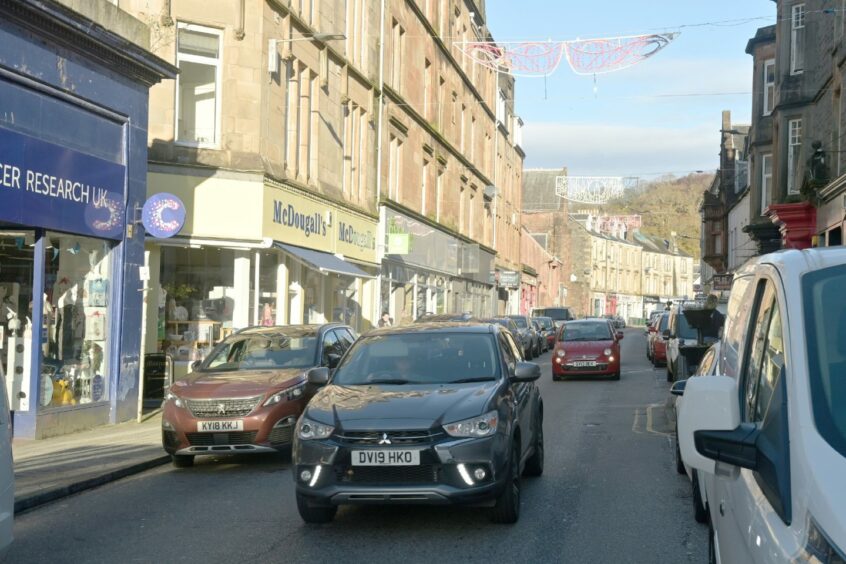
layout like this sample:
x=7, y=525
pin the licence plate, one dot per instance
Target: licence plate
x=584, y=363
x=385, y=457
x=218, y=426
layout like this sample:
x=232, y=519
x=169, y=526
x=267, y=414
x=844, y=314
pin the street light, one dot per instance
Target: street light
x=273, y=54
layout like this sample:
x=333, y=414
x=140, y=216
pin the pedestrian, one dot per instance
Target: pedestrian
x=267, y=316
x=386, y=320
x=715, y=328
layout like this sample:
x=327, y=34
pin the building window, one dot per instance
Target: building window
x=301, y=121
x=355, y=148
x=427, y=88
x=797, y=39
x=766, y=180
x=472, y=138
x=500, y=108
x=397, y=55
x=439, y=184
x=394, y=167
x=463, y=126
x=424, y=181
x=357, y=32
x=794, y=152
x=769, y=86
x=198, y=57
x=470, y=214
x=461, y=210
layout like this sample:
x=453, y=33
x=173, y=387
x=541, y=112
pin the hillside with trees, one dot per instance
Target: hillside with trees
x=667, y=204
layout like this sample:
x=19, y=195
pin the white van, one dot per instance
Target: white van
x=769, y=432
x=7, y=475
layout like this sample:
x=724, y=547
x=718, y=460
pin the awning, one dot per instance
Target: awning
x=324, y=262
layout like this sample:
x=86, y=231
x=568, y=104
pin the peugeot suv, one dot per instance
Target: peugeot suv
x=429, y=414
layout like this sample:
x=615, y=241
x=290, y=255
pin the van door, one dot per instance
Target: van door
x=7, y=476
x=752, y=510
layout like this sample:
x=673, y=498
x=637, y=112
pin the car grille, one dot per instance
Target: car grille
x=207, y=409
x=212, y=439
x=395, y=437
x=281, y=435
x=421, y=474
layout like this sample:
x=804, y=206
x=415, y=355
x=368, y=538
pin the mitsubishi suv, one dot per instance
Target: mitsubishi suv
x=440, y=413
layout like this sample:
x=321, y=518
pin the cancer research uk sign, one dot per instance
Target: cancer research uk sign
x=50, y=186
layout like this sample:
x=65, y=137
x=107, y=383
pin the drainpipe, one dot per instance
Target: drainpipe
x=239, y=32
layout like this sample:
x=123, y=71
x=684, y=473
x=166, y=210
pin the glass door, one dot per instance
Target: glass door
x=17, y=266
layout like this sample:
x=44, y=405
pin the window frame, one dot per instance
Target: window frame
x=769, y=88
x=198, y=59
x=797, y=18
x=792, y=143
x=766, y=180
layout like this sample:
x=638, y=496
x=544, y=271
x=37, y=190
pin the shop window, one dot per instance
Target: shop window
x=198, y=57
x=16, y=274
x=75, y=334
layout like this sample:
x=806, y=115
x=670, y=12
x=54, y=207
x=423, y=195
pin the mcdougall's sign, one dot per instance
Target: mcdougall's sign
x=306, y=222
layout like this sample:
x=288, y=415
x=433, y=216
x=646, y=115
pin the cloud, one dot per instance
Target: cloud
x=621, y=150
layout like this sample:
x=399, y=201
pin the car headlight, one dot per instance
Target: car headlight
x=288, y=394
x=561, y=353
x=819, y=549
x=482, y=426
x=607, y=352
x=308, y=430
x=177, y=401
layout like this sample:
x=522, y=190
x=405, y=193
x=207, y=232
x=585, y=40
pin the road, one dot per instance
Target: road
x=609, y=493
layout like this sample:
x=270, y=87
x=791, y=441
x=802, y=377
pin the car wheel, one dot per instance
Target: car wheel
x=679, y=462
x=315, y=514
x=700, y=513
x=534, y=465
x=556, y=378
x=182, y=460
x=616, y=376
x=506, y=510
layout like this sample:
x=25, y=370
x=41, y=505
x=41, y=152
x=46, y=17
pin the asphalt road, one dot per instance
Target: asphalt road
x=609, y=493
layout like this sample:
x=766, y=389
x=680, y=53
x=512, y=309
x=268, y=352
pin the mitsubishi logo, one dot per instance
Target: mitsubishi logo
x=384, y=440
x=221, y=409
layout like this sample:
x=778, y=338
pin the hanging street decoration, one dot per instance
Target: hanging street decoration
x=585, y=56
x=593, y=190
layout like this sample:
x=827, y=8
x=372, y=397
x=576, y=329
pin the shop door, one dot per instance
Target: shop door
x=16, y=273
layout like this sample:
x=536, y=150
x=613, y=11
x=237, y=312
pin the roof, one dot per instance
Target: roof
x=539, y=190
x=446, y=327
x=763, y=35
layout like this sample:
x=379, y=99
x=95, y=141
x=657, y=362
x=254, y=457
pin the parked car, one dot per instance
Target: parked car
x=246, y=396
x=548, y=330
x=559, y=315
x=7, y=474
x=656, y=343
x=444, y=317
x=769, y=432
x=684, y=350
x=526, y=334
x=651, y=320
x=587, y=347
x=707, y=367
x=435, y=414
x=540, y=336
x=509, y=324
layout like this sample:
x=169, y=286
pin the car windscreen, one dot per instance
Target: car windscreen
x=665, y=320
x=262, y=351
x=825, y=333
x=520, y=321
x=590, y=331
x=683, y=330
x=419, y=358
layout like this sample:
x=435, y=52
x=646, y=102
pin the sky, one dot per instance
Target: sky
x=661, y=116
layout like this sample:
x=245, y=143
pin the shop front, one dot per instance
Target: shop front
x=427, y=270
x=70, y=247
x=290, y=258
x=528, y=292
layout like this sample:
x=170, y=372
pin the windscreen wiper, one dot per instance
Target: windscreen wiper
x=468, y=380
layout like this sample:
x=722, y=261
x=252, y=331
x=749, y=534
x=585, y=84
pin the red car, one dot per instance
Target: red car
x=247, y=395
x=656, y=343
x=589, y=347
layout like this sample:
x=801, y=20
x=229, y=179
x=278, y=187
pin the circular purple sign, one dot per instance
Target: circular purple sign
x=163, y=215
x=105, y=217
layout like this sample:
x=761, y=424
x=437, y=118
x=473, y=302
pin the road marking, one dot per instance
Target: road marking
x=649, y=426
x=636, y=421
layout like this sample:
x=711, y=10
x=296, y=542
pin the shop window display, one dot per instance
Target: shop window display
x=16, y=273
x=75, y=332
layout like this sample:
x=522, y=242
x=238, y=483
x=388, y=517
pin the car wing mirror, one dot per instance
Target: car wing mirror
x=710, y=405
x=678, y=387
x=196, y=364
x=526, y=372
x=318, y=376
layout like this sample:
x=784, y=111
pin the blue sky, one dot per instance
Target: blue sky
x=630, y=127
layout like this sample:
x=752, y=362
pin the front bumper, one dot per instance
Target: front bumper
x=265, y=429
x=436, y=481
x=602, y=368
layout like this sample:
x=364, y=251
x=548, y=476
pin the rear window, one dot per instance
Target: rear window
x=665, y=321
x=520, y=321
x=419, y=358
x=683, y=330
x=825, y=333
x=556, y=313
x=598, y=331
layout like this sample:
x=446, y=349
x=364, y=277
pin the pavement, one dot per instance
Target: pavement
x=53, y=468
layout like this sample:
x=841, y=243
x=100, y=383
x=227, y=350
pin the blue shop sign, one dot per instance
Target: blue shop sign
x=163, y=215
x=53, y=187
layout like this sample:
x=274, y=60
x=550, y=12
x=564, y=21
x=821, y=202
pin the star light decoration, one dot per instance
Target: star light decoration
x=585, y=56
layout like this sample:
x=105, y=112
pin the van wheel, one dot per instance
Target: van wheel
x=182, y=460
x=507, y=507
x=315, y=514
x=700, y=513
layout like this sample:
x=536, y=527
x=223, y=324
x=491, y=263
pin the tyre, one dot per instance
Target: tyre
x=679, y=461
x=182, y=460
x=506, y=509
x=556, y=378
x=315, y=514
x=700, y=513
x=616, y=376
x=534, y=465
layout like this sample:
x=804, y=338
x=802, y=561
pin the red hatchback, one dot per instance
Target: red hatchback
x=656, y=343
x=588, y=347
